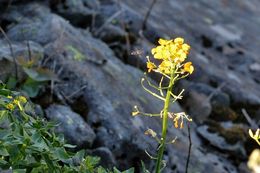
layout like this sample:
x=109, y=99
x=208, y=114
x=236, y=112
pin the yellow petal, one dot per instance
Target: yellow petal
x=153, y=51
x=150, y=66
x=164, y=42
x=179, y=40
x=185, y=47
x=188, y=67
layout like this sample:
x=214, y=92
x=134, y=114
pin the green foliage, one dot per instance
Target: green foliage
x=37, y=76
x=29, y=144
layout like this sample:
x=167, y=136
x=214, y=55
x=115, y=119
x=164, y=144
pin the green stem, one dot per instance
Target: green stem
x=164, y=123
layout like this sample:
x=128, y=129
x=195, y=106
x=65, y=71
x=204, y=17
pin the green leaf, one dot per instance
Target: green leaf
x=101, y=170
x=19, y=171
x=40, y=74
x=11, y=83
x=5, y=92
x=144, y=170
x=3, y=115
x=61, y=154
x=3, y=151
x=131, y=170
x=38, y=143
x=31, y=87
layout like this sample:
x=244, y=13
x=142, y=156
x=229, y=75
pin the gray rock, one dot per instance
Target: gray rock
x=72, y=125
x=225, y=139
x=206, y=102
x=79, y=13
x=222, y=48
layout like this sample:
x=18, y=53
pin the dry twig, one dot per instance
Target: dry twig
x=11, y=51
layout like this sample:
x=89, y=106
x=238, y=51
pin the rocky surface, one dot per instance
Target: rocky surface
x=96, y=49
x=72, y=125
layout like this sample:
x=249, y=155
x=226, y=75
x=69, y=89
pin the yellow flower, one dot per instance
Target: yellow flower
x=172, y=53
x=185, y=47
x=164, y=42
x=22, y=99
x=150, y=66
x=10, y=106
x=160, y=52
x=157, y=52
x=180, y=56
x=16, y=101
x=165, y=67
x=188, y=67
x=179, y=40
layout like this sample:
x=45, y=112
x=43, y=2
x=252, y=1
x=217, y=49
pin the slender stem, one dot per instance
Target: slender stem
x=164, y=123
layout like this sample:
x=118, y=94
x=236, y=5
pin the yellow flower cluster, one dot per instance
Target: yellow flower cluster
x=16, y=102
x=10, y=106
x=172, y=53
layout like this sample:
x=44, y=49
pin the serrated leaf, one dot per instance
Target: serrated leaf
x=61, y=154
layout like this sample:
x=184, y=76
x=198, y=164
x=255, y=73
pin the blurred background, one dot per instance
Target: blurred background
x=84, y=59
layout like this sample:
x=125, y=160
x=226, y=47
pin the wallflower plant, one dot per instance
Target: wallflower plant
x=172, y=55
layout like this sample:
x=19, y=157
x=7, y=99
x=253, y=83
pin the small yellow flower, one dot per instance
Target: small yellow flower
x=185, y=47
x=162, y=52
x=10, y=97
x=188, y=67
x=179, y=40
x=150, y=66
x=22, y=99
x=10, y=106
x=165, y=67
x=164, y=42
x=180, y=56
x=16, y=101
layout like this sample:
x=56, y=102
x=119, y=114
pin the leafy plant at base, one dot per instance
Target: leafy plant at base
x=172, y=54
x=29, y=144
x=37, y=76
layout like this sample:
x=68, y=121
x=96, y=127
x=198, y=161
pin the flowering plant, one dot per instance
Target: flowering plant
x=172, y=55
